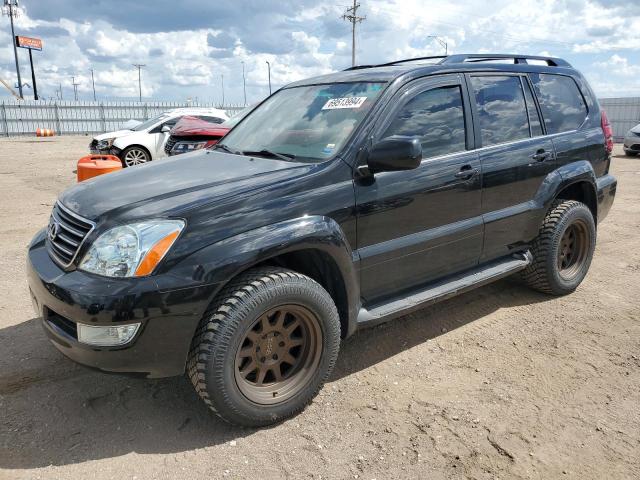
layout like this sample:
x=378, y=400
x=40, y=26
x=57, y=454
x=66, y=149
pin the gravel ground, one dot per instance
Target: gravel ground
x=501, y=382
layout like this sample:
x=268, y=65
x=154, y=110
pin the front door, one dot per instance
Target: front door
x=419, y=225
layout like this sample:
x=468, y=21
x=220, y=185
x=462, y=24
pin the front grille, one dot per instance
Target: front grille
x=65, y=234
x=169, y=145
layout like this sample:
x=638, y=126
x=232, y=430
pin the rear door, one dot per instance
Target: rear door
x=515, y=158
x=418, y=225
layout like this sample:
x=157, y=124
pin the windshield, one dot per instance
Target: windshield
x=149, y=123
x=309, y=123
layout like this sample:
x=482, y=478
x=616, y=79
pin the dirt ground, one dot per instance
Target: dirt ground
x=501, y=382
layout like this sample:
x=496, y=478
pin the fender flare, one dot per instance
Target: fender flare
x=222, y=261
x=561, y=178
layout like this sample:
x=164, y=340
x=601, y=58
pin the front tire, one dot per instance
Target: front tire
x=630, y=153
x=134, y=155
x=265, y=347
x=563, y=249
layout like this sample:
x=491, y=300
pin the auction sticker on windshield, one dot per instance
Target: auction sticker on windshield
x=345, y=102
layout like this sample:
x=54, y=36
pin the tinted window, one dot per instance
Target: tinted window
x=562, y=105
x=532, y=111
x=437, y=117
x=209, y=119
x=502, y=112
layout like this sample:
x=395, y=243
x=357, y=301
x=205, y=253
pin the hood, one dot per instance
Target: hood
x=116, y=134
x=171, y=186
x=193, y=126
x=636, y=129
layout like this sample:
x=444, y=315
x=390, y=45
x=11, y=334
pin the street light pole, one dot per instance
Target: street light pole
x=269, y=70
x=222, y=82
x=9, y=5
x=244, y=85
x=442, y=43
x=139, y=67
x=93, y=84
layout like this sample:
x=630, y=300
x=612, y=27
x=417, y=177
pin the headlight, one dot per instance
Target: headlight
x=131, y=250
x=105, y=144
x=184, y=147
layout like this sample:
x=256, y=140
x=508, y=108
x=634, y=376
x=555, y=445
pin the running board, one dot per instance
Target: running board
x=444, y=289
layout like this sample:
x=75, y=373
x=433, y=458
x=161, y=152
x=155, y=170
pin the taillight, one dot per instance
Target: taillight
x=608, y=132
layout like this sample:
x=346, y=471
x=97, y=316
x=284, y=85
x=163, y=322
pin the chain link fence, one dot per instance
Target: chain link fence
x=78, y=118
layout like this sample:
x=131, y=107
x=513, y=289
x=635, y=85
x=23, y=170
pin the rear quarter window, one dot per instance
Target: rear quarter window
x=562, y=105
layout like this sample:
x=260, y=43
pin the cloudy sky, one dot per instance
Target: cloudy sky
x=188, y=45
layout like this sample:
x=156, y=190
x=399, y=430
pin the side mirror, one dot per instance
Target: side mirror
x=165, y=129
x=394, y=154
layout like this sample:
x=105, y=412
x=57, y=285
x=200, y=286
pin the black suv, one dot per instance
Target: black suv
x=339, y=202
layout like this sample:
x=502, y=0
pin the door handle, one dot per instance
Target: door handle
x=467, y=172
x=541, y=155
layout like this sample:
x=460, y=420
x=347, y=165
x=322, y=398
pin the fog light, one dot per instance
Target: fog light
x=106, y=336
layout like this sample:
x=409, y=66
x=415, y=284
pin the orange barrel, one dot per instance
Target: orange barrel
x=94, y=165
x=44, y=132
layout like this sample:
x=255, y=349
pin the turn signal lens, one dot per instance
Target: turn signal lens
x=155, y=254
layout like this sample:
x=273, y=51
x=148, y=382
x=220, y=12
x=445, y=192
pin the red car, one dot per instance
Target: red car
x=193, y=133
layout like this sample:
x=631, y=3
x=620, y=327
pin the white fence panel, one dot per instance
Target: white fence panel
x=78, y=118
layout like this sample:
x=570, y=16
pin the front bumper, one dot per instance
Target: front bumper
x=631, y=143
x=106, y=151
x=169, y=317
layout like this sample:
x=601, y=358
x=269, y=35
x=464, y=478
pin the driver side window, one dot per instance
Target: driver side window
x=437, y=117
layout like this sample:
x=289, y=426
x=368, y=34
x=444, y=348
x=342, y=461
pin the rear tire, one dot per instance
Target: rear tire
x=563, y=249
x=265, y=347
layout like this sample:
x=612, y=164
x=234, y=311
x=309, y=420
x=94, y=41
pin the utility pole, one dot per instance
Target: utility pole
x=10, y=9
x=244, y=85
x=60, y=91
x=75, y=88
x=351, y=16
x=139, y=67
x=222, y=83
x=269, y=70
x=93, y=84
x=442, y=42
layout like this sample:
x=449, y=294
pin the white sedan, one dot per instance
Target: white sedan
x=145, y=142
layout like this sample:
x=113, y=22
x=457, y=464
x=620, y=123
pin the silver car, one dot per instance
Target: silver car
x=631, y=144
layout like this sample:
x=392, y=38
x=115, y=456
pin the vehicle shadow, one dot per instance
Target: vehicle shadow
x=55, y=412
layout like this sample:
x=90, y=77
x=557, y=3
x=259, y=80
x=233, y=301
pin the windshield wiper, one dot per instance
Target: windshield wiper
x=221, y=146
x=268, y=153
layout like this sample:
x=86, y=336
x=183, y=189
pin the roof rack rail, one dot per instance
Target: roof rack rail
x=488, y=57
x=395, y=62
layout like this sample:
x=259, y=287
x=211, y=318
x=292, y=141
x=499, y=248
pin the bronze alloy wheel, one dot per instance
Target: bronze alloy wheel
x=279, y=354
x=573, y=250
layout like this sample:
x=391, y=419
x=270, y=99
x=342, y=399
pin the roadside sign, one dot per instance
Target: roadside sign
x=28, y=42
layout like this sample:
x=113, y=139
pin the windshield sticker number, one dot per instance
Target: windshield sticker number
x=345, y=102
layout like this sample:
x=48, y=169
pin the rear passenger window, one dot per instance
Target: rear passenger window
x=532, y=111
x=502, y=112
x=437, y=117
x=562, y=105
x=209, y=119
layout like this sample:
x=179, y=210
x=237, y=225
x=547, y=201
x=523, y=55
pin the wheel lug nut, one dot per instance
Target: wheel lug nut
x=281, y=344
x=263, y=359
x=275, y=357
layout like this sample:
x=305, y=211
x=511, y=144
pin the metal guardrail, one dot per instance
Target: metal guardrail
x=76, y=118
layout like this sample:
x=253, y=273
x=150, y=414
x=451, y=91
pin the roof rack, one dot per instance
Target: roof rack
x=472, y=58
x=395, y=62
x=488, y=57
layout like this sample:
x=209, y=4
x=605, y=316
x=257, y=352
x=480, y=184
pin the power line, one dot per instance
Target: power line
x=139, y=67
x=351, y=15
